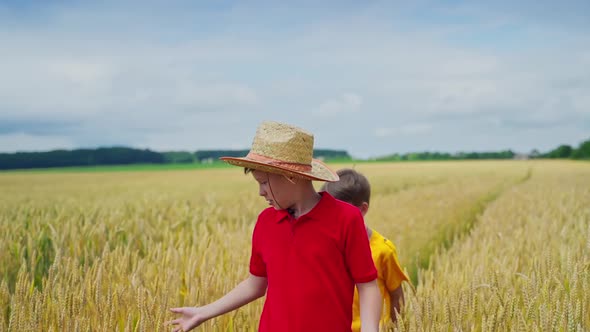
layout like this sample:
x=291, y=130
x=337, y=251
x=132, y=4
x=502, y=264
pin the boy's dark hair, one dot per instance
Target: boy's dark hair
x=353, y=187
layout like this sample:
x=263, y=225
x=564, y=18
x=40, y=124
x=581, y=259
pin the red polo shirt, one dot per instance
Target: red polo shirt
x=312, y=264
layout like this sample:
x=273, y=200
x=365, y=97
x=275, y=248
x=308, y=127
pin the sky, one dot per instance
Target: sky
x=370, y=77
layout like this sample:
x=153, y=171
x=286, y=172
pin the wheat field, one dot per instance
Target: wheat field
x=490, y=245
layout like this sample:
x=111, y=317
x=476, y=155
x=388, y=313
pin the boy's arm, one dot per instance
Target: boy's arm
x=396, y=299
x=245, y=292
x=370, y=301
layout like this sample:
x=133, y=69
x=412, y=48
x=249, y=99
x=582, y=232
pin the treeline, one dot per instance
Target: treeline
x=566, y=151
x=508, y=154
x=80, y=157
x=562, y=151
x=124, y=156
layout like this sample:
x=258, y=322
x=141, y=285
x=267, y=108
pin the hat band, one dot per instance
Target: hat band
x=274, y=162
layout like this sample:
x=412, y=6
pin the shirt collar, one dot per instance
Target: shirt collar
x=316, y=211
x=281, y=215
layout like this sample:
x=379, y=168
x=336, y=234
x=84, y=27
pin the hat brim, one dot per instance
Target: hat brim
x=319, y=170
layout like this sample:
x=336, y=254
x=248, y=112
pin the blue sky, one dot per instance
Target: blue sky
x=373, y=78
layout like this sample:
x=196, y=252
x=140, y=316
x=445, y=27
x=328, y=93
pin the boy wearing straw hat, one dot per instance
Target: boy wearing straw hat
x=309, y=250
x=354, y=188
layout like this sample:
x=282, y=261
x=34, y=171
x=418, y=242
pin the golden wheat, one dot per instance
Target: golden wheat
x=526, y=261
x=113, y=251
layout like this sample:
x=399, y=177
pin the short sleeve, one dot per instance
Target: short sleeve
x=357, y=250
x=393, y=274
x=257, y=265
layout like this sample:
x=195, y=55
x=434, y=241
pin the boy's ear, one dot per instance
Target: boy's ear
x=364, y=208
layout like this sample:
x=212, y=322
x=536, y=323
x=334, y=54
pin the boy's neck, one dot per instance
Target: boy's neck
x=369, y=231
x=308, y=199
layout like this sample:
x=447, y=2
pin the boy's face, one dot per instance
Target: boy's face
x=275, y=188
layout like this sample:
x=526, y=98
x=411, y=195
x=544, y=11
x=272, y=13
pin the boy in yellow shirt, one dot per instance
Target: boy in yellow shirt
x=354, y=188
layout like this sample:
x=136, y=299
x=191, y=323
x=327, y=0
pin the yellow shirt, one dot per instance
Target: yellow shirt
x=389, y=276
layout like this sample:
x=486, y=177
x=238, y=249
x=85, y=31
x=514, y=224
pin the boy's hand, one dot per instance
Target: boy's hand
x=191, y=318
x=247, y=291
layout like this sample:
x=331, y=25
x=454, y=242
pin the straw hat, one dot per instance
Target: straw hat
x=284, y=149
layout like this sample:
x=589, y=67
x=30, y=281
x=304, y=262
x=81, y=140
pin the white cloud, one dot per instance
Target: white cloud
x=416, y=128
x=408, y=129
x=40, y=85
x=214, y=95
x=463, y=96
x=384, y=132
x=79, y=72
x=149, y=78
x=345, y=103
x=26, y=142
